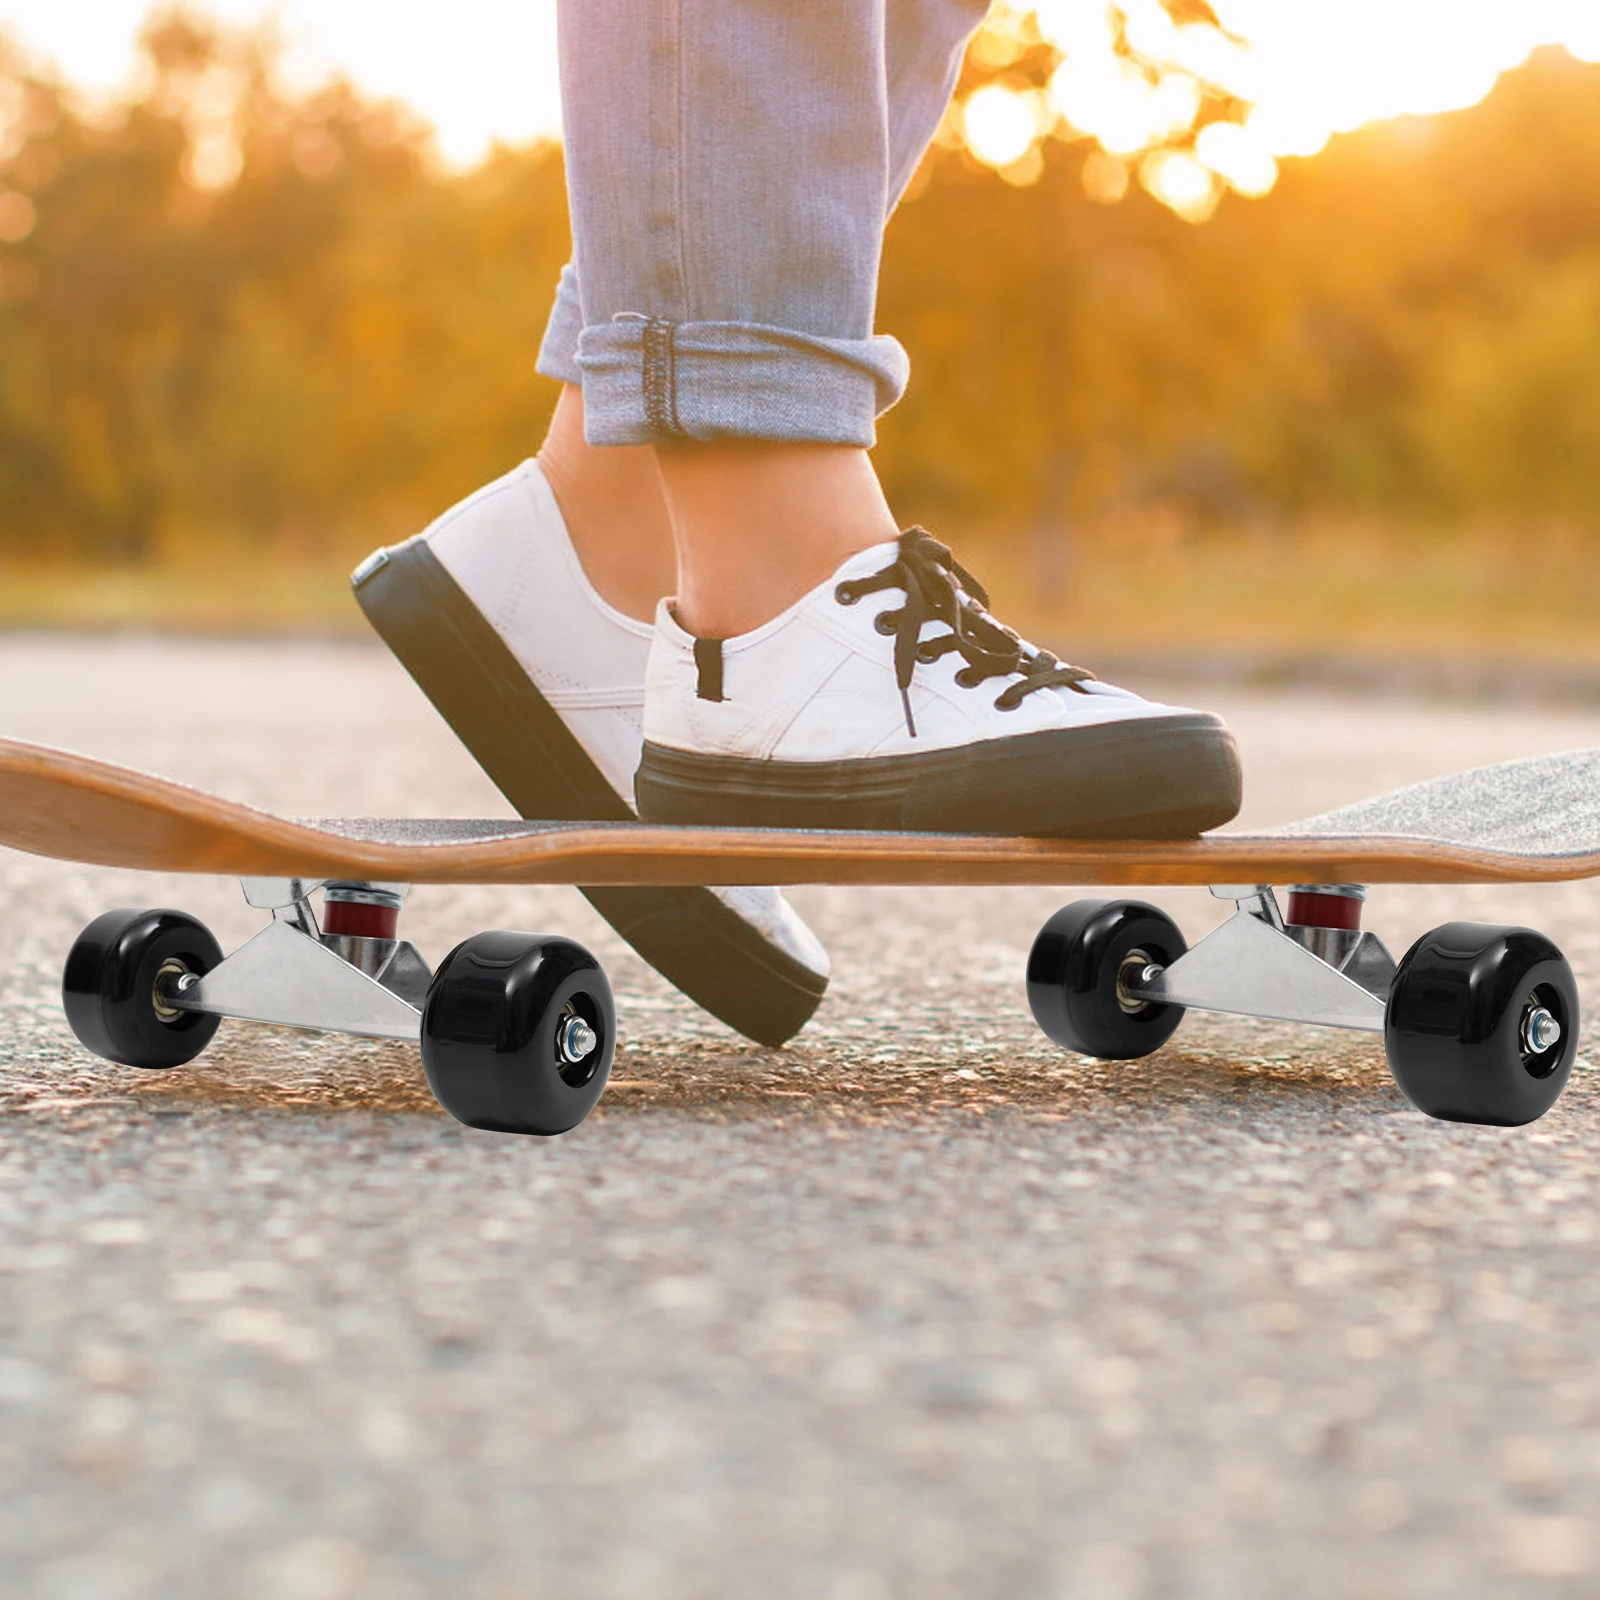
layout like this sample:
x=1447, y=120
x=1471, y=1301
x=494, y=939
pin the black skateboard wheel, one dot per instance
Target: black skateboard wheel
x=115, y=973
x=1482, y=1024
x=518, y=1032
x=1075, y=973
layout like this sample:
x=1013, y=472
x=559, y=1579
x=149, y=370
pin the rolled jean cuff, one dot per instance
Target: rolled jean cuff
x=648, y=380
x=558, y=351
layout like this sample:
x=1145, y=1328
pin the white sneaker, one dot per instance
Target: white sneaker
x=543, y=681
x=921, y=713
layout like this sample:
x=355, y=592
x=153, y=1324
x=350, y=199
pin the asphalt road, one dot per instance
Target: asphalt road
x=918, y=1307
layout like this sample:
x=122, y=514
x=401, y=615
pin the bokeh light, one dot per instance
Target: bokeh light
x=999, y=124
x=17, y=216
x=1268, y=80
x=1237, y=155
x=1181, y=181
x=1105, y=179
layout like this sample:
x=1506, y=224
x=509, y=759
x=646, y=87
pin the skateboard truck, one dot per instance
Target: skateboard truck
x=1478, y=1021
x=1256, y=964
x=517, y=1030
x=298, y=975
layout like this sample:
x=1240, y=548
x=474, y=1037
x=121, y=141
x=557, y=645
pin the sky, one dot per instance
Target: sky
x=477, y=69
x=486, y=69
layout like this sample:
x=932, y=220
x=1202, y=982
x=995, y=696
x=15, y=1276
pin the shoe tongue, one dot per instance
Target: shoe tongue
x=864, y=563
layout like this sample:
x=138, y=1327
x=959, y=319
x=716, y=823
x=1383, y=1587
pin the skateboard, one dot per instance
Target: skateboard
x=517, y=1031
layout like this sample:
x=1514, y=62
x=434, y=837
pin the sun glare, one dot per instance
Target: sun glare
x=1301, y=70
x=479, y=70
x=1131, y=79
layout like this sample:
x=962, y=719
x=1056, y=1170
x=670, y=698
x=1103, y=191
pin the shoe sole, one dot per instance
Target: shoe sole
x=475, y=683
x=1148, y=778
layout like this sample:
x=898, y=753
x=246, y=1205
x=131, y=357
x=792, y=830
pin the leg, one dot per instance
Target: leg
x=497, y=574
x=729, y=164
x=860, y=97
x=614, y=510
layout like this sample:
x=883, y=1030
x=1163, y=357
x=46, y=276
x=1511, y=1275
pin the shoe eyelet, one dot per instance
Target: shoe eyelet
x=965, y=681
x=844, y=594
x=1002, y=704
x=884, y=622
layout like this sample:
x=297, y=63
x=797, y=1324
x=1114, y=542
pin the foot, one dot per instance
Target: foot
x=888, y=697
x=492, y=613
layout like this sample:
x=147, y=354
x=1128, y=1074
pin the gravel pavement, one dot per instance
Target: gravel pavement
x=921, y=1306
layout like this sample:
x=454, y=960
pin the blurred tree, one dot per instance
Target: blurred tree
x=1292, y=354
x=229, y=313
x=1507, y=413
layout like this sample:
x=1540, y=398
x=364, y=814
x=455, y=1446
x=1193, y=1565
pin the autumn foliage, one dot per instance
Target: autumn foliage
x=325, y=345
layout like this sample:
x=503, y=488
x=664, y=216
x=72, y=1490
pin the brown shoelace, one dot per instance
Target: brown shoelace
x=939, y=589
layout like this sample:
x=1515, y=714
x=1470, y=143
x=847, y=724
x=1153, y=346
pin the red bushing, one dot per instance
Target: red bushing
x=1319, y=907
x=359, y=911
x=362, y=922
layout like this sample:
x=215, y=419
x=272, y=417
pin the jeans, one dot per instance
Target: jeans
x=730, y=167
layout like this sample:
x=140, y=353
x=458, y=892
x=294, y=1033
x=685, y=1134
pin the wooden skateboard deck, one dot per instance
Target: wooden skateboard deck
x=1535, y=820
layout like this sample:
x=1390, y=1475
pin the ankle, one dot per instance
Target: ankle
x=615, y=513
x=759, y=525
